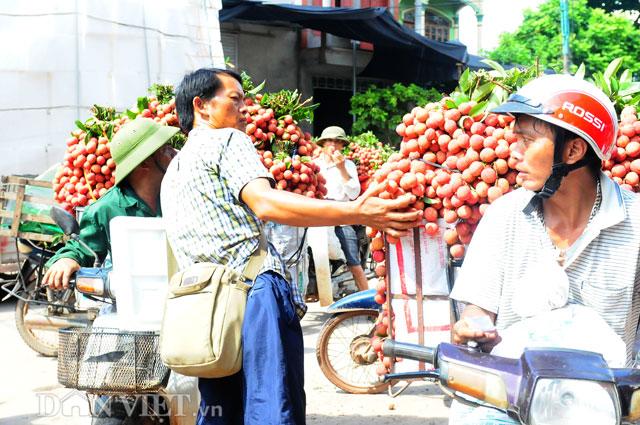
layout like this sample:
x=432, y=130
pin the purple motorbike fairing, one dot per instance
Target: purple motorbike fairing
x=521, y=375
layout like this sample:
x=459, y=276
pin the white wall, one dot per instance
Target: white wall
x=60, y=57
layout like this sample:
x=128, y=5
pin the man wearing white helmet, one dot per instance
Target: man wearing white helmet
x=569, y=235
x=568, y=240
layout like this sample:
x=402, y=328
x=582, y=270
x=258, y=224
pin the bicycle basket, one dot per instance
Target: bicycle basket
x=110, y=361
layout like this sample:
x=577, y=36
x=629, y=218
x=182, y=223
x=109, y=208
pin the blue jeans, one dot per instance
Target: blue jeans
x=349, y=244
x=269, y=390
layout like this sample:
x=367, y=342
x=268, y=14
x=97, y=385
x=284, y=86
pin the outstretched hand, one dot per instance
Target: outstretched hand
x=388, y=215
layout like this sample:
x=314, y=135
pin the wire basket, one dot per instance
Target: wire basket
x=110, y=361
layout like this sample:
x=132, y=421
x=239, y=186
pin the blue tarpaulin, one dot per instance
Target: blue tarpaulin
x=399, y=53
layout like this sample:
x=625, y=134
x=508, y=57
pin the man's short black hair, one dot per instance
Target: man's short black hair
x=203, y=83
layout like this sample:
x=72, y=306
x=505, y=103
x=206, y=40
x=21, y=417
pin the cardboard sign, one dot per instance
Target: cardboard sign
x=418, y=292
x=402, y=261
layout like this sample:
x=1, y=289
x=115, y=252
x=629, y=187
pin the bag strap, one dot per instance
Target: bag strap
x=172, y=262
x=256, y=260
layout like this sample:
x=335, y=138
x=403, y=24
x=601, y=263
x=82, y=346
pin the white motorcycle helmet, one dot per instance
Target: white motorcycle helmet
x=573, y=104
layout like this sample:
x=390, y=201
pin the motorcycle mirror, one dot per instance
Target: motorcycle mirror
x=66, y=221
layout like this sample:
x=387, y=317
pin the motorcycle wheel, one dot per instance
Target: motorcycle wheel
x=345, y=355
x=43, y=341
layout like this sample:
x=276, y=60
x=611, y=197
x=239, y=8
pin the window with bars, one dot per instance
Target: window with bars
x=435, y=27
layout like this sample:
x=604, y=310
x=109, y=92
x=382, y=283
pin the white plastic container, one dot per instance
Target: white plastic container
x=140, y=272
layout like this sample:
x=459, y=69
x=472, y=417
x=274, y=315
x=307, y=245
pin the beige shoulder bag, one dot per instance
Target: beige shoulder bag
x=201, y=331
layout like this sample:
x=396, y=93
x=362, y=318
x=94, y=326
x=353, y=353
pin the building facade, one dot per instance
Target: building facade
x=320, y=64
x=441, y=20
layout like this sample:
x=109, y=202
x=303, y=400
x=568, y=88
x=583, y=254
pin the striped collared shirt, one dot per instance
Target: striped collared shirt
x=511, y=252
x=205, y=219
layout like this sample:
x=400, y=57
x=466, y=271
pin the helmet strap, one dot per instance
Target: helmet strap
x=559, y=170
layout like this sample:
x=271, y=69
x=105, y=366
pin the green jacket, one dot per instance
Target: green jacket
x=94, y=225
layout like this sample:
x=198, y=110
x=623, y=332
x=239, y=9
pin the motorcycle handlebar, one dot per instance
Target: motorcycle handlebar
x=404, y=350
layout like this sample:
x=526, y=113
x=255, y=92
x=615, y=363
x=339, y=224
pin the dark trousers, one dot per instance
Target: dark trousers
x=269, y=390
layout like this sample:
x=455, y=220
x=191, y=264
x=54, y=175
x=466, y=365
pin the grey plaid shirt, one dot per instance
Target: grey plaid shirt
x=204, y=217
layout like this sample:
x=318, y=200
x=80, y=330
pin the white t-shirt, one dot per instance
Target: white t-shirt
x=337, y=188
x=510, y=268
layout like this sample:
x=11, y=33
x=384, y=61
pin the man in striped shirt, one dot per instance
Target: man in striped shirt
x=569, y=235
x=215, y=197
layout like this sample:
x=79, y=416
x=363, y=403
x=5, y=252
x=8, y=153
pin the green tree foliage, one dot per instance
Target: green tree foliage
x=597, y=38
x=380, y=109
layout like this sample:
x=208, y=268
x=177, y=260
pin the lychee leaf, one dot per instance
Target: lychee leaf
x=459, y=98
x=256, y=89
x=464, y=80
x=626, y=77
x=481, y=92
x=612, y=68
x=615, y=86
x=478, y=108
x=143, y=103
x=81, y=126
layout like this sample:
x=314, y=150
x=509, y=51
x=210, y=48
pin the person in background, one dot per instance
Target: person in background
x=342, y=184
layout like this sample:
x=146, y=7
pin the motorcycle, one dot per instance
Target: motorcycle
x=542, y=387
x=116, y=361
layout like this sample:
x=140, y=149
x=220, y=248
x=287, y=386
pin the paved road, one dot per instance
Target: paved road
x=29, y=389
